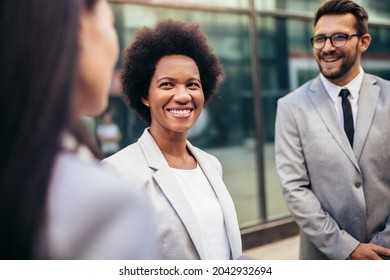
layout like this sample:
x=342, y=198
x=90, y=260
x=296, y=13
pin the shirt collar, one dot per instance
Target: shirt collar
x=353, y=86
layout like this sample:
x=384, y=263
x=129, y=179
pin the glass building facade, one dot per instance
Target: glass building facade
x=266, y=52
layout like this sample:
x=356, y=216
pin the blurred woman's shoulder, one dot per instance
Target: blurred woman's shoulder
x=92, y=213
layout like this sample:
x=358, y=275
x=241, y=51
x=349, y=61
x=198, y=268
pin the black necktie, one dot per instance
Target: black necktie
x=347, y=113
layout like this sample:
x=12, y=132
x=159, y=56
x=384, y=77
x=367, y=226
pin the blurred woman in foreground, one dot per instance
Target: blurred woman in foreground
x=56, y=201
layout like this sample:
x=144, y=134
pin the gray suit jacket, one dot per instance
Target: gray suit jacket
x=339, y=196
x=143, y=165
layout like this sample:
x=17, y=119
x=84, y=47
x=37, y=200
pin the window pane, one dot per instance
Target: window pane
x=378, y=10
x=221, y=3
x=376, y=59
x=286, y=62
x=308, y=6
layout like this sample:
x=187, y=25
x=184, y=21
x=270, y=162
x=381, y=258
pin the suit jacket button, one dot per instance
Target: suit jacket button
x=358, y=184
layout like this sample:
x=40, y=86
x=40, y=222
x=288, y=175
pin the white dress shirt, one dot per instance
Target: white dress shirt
x=353, y=87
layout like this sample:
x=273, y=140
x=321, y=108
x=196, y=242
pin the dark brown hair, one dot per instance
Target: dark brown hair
x=341, y=7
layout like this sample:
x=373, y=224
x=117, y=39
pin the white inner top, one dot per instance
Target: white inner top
x=204, y=203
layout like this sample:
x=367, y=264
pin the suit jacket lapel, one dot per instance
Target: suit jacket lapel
x=168, y=184
x=325, y=108
x=368, y=100
x=223, y=197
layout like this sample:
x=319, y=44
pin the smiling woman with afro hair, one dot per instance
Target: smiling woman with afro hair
x=169, y=37
x=169, y=73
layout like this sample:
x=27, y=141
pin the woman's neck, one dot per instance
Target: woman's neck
x=171, y=143
x=173, y=146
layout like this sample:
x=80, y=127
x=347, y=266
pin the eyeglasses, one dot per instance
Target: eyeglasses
x=337, y=40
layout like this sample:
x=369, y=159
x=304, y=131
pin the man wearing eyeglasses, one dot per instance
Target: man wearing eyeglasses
x=332, y=144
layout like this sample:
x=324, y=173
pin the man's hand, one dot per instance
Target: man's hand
x=367, y=251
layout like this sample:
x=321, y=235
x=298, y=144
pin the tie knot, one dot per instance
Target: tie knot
x=344, y=93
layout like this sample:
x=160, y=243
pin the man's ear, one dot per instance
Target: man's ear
x=365, y=41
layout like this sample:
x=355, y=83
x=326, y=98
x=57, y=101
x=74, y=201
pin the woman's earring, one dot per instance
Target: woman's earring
x=145, y=101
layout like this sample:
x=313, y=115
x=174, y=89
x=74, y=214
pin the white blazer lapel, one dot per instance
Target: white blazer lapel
x=224, y=198
x=169, y=186
x=176, y=197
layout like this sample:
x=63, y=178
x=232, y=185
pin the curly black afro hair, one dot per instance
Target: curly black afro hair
x=170, y=37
